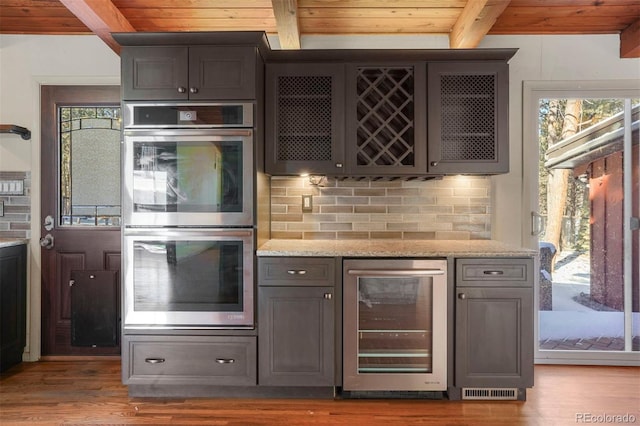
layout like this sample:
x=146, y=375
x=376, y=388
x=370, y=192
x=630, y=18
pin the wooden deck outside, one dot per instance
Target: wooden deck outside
x=90, y=392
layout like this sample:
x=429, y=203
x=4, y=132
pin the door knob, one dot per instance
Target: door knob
x=47, y=242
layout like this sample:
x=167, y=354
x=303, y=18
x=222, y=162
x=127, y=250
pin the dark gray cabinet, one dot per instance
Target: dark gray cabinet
x=468, y=123
x=494, y=323
x=304, y=118
x=188, y=72
x=296, y=317
x=13, y=298
x=386, y=119
x=189, y=360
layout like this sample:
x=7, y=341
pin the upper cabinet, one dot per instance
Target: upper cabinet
x=386, y=116
x=304, y=118
x=188, y=73
x=468, y=123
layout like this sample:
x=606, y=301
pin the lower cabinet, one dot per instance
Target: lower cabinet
x=494, y=325
x=296, y=317
x=13, y=308
x=189, y=360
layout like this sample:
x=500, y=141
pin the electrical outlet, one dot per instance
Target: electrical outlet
x=307, y=203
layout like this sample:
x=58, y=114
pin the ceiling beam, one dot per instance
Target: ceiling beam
x=286, y=14
x=475, y=21
x=630, y=41
x=101, y=17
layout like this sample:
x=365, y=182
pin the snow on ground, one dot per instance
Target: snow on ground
x=570, y=319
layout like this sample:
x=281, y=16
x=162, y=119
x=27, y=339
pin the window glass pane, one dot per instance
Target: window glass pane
x=582, y=283
x=89, y=166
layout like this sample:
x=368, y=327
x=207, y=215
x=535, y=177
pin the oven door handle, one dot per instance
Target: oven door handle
x=187, y=132
x=395, y=272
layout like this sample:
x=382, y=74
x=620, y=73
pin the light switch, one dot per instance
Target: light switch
x=11, y=187
x=307, y=203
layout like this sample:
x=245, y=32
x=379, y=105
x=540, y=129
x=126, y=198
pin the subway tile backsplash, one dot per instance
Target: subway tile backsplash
x=452, y=208
x=16, y=219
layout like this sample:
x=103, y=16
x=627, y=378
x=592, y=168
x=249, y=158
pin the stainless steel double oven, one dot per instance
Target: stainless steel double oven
x=188, y=215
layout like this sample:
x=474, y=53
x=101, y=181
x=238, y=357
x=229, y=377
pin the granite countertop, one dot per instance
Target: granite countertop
x=392, y=248
x=8, y=242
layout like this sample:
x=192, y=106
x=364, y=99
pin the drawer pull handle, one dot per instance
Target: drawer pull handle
x=296, y=272
x=225, y=360
x=328, y=296
x=494, y=272
x=154, y=360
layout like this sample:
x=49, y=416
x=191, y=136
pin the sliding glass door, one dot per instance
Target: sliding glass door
x=584, y=222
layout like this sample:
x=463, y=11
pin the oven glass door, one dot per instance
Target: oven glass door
x=189, y=279
x=187, y=178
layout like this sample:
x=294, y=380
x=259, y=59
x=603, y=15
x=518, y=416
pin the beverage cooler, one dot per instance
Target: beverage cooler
x=394, y=325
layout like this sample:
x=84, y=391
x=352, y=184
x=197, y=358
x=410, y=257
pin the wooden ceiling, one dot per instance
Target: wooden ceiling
x=466, y=22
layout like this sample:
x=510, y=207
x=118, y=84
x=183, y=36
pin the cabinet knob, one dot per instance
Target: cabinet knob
x=339, y=165
x=182, y=89
x=434, y=163
x=462, y=296
x=328, y=296
x=193, y=90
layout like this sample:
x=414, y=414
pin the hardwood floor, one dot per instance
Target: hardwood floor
x=90, y=392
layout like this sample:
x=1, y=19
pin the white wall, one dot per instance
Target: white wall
x=28, y=61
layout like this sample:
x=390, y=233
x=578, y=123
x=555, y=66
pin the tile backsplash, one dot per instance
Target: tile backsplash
x=453, y=208
x=16, y=219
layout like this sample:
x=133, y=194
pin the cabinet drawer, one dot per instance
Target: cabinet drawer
x=494, y=272
x=296, y=271
x=201, y=360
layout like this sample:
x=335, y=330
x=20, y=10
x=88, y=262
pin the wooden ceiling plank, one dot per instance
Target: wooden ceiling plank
x=630, y=41
x=102, y=17
x=184, y=13
x=378, y=12
x=375, y=26
x=193, y=4
x=286, y=14
x=383, y=3
x=475, y=21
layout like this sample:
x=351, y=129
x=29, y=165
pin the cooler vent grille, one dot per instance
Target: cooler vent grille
x=490, y=393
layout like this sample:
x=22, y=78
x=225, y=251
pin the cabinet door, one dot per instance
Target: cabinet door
x=154, y=73
x=222, y=72
x=296, y=336
x=494, y=337
x=304, y=119
x=468, y=117
x=386, y=120
x=13, y=291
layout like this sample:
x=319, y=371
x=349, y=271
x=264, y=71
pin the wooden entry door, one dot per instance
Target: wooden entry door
x=80, y=203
